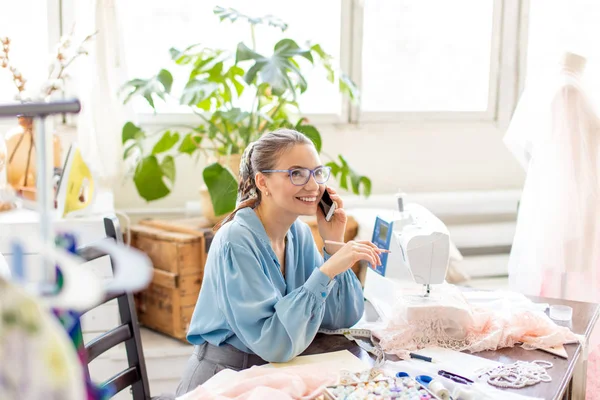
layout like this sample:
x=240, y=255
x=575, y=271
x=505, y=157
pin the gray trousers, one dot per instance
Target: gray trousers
x=207, y=360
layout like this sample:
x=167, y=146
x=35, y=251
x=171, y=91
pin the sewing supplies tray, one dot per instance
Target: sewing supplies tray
x=384, y=389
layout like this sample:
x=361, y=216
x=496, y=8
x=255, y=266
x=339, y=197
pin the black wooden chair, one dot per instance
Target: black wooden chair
x=135, y=375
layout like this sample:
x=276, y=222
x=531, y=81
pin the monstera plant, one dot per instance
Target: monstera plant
x=237, y=96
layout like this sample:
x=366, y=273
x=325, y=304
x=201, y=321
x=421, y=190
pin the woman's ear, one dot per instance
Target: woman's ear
x=261, y=182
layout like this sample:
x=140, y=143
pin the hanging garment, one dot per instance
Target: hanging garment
x=37, y=360
x=556, y=249
x=553, y=134
x=71, y=322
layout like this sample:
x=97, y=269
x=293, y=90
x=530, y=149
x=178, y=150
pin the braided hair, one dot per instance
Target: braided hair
x=261, y=155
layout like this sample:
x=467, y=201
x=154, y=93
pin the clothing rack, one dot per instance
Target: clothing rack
x=44, y=199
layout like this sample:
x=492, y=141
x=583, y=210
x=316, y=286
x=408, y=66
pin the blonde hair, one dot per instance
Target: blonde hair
x=261, y=155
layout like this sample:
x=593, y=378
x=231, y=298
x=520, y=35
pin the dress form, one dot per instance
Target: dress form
x=556, y=248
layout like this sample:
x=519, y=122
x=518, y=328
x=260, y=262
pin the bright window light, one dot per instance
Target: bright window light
x=25, y=22
x=426, y=55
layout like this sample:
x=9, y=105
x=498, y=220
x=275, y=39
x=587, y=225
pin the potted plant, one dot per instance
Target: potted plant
x=237, y=96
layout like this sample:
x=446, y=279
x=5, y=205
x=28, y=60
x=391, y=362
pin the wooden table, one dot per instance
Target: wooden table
x=568, y=376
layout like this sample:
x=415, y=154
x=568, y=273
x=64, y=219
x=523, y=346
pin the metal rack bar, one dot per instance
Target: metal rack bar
x=45, y=202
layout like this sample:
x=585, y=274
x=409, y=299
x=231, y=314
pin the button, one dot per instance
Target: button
x=323, y=294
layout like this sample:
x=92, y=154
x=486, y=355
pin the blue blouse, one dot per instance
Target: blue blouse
x=245, y=302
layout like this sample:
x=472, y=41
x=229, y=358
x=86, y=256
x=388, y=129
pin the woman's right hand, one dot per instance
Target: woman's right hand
x=350, y=254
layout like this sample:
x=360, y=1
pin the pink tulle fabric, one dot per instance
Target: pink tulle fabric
x=449, y=321
x=556, y=249
x=285, y=383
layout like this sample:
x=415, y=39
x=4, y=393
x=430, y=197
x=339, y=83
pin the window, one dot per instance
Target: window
x=428, y=56
x=559, y=26
x=25, y=22
x=151, y=27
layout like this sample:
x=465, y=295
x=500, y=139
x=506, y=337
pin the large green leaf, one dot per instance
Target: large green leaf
x=346, y=85
x=280, y=70
x=135, y=136
x=159, y=85
x=233, y=74
x=166, y=79
x=288, y=48
x=190, y=143
x=349, y=178
x=129, y=150
x=222, y=188
x=312, y=133
x=168, y=167
x=235, y=115
x=148, y=179
x=183, y=57
x=166, y=142
x=197, y=91
x=132, y=132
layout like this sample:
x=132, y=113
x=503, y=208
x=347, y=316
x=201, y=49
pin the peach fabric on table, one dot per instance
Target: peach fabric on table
x=259, y=383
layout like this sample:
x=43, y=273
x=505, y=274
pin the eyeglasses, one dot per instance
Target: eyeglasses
x=300, y=176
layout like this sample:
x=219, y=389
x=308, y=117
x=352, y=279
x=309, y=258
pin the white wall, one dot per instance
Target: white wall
x=414, y=156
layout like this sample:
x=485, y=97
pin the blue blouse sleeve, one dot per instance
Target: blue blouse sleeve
x=345, y=304
x=275, y=328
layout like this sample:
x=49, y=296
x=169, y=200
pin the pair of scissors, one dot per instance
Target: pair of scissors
x=454, y=377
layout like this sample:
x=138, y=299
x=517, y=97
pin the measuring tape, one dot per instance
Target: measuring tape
x=354, y=334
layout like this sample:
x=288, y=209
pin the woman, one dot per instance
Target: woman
x=266, y=289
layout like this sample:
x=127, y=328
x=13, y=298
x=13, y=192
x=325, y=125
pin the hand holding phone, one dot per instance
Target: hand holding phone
x=327, y=205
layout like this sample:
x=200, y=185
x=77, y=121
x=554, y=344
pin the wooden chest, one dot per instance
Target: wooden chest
x=178, y=258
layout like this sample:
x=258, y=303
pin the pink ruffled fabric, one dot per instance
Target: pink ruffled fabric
x=455, y=324
x=286, y=383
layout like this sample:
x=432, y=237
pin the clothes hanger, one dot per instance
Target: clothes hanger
x=132, y=269
x=82, y=289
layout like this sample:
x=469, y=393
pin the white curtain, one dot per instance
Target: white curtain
x=98, y=78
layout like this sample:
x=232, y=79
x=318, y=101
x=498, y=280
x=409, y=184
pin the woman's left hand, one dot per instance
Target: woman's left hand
x=335, y=229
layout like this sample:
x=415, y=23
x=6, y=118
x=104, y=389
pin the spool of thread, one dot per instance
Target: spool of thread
x=423, y=379
x=437, y=388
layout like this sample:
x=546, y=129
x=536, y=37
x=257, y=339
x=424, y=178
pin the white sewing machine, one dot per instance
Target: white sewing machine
x=419, y=245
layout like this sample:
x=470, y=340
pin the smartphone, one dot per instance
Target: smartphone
x=327, y=206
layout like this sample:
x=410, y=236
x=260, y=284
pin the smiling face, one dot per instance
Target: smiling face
x=285, y=195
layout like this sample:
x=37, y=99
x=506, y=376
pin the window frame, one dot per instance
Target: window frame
x=499, y=32
x=507, y=66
